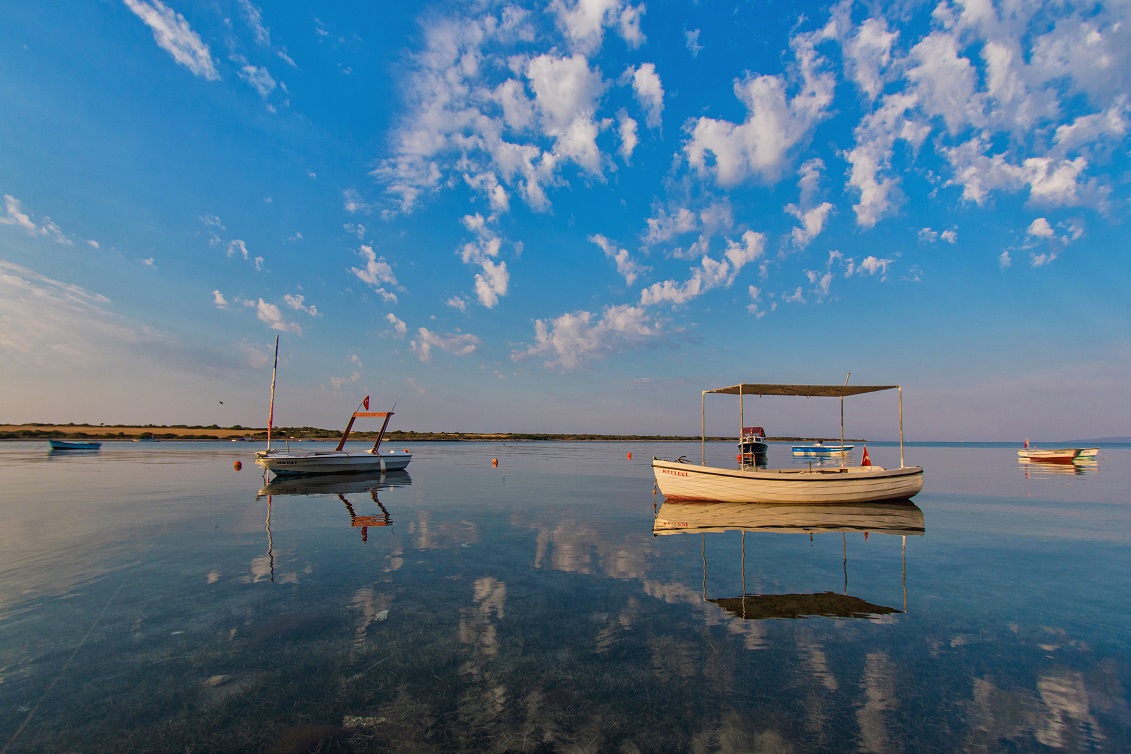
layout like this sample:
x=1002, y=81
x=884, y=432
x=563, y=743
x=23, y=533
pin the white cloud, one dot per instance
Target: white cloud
x=584, y=22
x=649, y=92
x=295, y=302
x=173, y=34
x=270, y=315
x=398, y=325
x=578, y=337
x=628, y=267
x=628, y=137
x=760, y=147
x=254, y=19
x=493, y=279
x=149, y=262
x=929, y=235
x=15, y=215
x=663, y=226
x=339, y=382
x=1050, y=180
x=1040, y=228
x=377, y=273
x=238, y=247
x=708, y=274
x=755, y=305
x=353, y=202
x=873, y=265
x=692, y=38
x=945, y=82
x=458, y=344
x=260, y=79
x=219, y=300
x=870, y=158
x=491, y=283
x=1004, y=260
x=868, y=54
x=812, y=216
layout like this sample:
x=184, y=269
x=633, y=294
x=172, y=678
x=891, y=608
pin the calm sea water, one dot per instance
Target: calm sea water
x=153, y=598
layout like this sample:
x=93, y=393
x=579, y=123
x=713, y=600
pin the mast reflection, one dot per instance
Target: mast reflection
x=339, y=486
x=900, y=518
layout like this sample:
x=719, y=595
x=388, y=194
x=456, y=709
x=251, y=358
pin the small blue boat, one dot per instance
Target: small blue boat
x=821, y=450
x=74, y=445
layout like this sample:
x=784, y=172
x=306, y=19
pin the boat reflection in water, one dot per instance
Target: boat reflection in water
x=1036, y=469
x=339, y=486
x=901, y=518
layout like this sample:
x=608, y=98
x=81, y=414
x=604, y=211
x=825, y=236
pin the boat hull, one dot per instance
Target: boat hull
x=291, y=463
x=73, y=445
x=853, y=484
x=1049, y=455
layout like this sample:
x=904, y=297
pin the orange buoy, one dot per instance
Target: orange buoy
x=494, y=461
x=630, y=456
x=237, y=465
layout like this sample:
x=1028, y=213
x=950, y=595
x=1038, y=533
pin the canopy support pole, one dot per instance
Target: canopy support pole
x=901, y=426
x=703, y=426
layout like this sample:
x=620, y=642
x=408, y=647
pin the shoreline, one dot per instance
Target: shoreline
x=128, y=432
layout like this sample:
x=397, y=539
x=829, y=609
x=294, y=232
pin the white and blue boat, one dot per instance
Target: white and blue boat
x=820, y=450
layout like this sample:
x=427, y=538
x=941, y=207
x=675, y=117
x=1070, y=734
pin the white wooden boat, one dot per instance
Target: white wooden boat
x=287, y=462
x=827, y=485
x=74, y=445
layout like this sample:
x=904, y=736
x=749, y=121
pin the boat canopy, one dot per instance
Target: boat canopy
x=808, y=391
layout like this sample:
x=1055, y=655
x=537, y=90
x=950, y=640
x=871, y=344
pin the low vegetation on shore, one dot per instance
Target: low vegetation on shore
x=237, y=432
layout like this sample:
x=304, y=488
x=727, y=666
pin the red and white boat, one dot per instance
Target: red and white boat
x=1054, y=455
x=287, y=462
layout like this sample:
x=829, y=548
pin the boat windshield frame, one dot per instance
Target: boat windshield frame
x=803, y=391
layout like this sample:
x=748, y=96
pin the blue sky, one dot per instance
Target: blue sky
x=568, y=216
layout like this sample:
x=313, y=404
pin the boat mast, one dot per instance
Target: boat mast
x=271, y=410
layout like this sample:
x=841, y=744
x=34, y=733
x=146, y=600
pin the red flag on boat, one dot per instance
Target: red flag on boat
x=366, y=403
x=864, y=459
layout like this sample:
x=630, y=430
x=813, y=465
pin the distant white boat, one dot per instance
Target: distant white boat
x=679, y=480
x=286, y=462
x=820, y=450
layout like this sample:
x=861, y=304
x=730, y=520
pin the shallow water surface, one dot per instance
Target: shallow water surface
x=153, y=598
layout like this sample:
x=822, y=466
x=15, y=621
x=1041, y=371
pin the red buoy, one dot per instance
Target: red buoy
x=494, y=461
x=630, y=456
x=237, y=465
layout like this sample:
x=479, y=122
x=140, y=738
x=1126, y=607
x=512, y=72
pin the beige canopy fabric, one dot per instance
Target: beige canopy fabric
x=809, y=391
